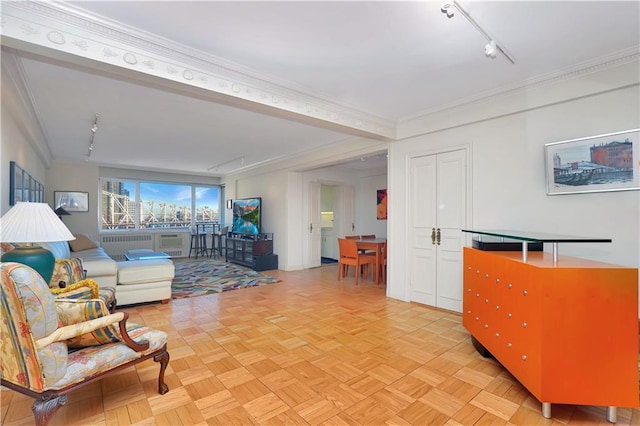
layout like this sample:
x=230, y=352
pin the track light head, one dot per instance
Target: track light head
x=491, y=49
x=447, y=8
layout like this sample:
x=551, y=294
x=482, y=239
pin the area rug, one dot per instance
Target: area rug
x=197, y=277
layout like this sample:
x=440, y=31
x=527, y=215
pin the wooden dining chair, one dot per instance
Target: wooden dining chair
x=349, y=255
x=352, y=237
x=368, y=237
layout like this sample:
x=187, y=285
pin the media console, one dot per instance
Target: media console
x=252, y=250
x=566, y=328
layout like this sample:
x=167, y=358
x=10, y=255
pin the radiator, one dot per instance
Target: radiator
x=117, y=245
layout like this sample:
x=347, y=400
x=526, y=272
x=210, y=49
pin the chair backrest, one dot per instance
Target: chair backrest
x=368, y=237
x=347, y=248
x=68, y=270
x=352, y=237
x=29, y=313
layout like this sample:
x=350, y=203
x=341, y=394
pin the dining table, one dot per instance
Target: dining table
x=374, y=244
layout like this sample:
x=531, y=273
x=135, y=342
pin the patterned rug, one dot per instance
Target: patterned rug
x=197, y=277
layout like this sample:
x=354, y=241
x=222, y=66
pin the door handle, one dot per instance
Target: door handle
x=433, y=236
x=353, y=227
x=311, y=228
x=438, y=236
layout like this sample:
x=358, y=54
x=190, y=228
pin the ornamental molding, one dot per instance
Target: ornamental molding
x=64, y=29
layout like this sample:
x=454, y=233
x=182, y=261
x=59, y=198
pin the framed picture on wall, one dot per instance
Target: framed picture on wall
x=609, y=162
x=15, y=183
x=71, y=201
x=22, y=186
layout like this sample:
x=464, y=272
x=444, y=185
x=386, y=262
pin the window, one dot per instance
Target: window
x=157, y=205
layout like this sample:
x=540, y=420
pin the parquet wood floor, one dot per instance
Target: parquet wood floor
x=309, y=350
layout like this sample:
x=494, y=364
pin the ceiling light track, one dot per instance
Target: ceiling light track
x=94, y=129
x=216, y=168
x=493, y=46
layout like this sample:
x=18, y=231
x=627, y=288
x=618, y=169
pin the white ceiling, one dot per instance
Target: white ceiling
x=389, y=61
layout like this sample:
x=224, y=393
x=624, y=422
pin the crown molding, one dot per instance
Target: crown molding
x=62, y=29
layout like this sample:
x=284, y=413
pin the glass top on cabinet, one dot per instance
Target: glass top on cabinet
x=536, y=236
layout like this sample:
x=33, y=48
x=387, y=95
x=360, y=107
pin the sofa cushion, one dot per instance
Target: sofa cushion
x=60, y=249
x=145, y=271
x=97, y=262
x=82, y=242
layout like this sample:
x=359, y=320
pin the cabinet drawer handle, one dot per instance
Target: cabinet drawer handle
x=524, y=292
x=524, y=325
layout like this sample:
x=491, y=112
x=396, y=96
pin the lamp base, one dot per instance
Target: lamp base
x=40, y=259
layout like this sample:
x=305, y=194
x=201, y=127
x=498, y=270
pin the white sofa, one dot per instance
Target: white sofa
x=135, y=282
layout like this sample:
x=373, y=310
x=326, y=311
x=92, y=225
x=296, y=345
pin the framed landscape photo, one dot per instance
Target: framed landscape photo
x=71, y=201
x=609, y=162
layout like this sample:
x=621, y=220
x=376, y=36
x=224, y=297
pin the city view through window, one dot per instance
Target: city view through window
x=152, y=205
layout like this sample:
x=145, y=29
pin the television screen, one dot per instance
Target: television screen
x=247, y=216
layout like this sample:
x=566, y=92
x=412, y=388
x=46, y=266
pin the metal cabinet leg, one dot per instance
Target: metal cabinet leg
x=612, y=414
x=546, y=410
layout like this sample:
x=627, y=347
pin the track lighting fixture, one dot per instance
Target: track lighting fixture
x=492, y=47
x=225, y=163
x=447, y=8
x=94, y=129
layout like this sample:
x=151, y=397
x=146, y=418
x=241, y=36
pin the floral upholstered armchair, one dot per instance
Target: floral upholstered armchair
x=49, y=347
x=68, y=282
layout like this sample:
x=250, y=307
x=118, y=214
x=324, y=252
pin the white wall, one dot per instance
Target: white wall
x=273, y=188
x=366, y=202
x=20, y=142
x=508, y=167
x=80, y=177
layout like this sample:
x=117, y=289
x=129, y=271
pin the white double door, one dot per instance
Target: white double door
x=437, y=212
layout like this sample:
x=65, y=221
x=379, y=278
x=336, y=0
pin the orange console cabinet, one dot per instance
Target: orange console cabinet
x=567, y=330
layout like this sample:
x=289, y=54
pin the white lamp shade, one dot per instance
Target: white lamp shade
x=32, y=223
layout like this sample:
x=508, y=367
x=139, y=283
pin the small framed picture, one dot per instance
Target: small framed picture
x=609, y=162
x=71, y=201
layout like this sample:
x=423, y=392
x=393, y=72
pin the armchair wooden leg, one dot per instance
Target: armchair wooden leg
x=163, y=359
x=46, y=407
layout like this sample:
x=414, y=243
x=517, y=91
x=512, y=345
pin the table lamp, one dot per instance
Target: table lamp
x=61, y=212
x=27, y=224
